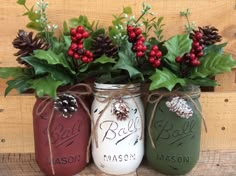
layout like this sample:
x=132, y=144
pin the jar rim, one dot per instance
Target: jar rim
x=104, y=86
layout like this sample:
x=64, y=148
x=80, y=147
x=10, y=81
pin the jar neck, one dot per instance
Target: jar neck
x=116, y=90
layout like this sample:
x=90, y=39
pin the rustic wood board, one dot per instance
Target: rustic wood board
x=16, y=130
x=221, y=14
x=217, y=163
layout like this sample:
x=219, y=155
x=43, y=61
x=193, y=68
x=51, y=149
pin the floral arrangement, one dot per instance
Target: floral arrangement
x=130, y=50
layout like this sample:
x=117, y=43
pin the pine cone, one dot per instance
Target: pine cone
x=120, y=109
x=180, y=107
x=210, y=35
x=66, y=104
x=102, y=45
x=27, y=44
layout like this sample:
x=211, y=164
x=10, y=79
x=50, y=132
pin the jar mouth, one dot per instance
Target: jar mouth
x=102, y=86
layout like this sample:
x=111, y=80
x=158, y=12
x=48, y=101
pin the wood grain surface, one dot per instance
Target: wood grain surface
x=211, y=163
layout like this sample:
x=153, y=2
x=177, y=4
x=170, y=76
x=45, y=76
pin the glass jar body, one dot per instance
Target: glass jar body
x=69, y=139
x=120, y=149
x=177, y=140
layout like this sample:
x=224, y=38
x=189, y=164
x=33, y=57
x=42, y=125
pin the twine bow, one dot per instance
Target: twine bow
x=155, y=98
x=107, y=97
x=46, y=102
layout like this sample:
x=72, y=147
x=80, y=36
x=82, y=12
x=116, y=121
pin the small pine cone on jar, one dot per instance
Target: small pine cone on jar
x=26, y=44
x=102, y=45
x=180, y=107
x=66, y=104
x=120, y=109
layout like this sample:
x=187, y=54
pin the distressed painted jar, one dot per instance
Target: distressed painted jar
x=60, y=141
x=173, y=130
x=118, y=143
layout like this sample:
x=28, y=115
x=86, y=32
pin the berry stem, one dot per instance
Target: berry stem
x=146, y=8
x=26, y=8
x=76, y=65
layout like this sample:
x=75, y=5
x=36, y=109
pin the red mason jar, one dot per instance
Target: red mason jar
x=69, y=138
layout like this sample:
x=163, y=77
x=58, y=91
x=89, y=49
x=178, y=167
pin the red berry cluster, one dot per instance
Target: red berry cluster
x=137, y=39
x=76, y=49
x=155, y=56
x=196, y=52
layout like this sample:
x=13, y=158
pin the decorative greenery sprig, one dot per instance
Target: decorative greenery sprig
x=39, y=20
x=190, y=26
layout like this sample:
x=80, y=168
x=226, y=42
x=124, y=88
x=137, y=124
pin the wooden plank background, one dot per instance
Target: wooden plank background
x=219, y=108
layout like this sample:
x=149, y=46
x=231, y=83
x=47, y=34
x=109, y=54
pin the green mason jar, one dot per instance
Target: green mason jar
x=173, y=130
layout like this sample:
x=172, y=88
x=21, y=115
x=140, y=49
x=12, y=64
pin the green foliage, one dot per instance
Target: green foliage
x=52, y=68
x=127, y=10
x=12, y=72
x=201, y=82
x=212, y=64
x=21, y=2
x=57, y=71
x=45, y=86
x=177, y=46
x=158, y=28
x=189, y=27
x=52, y=58
x=127, y=61
x=82, y=21
x=19, y=78
x=165, y=79
x=20, y=84
x=215, y=48
x=98, y=62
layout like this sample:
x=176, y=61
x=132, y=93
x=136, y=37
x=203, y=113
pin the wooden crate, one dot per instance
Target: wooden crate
x=219, y=107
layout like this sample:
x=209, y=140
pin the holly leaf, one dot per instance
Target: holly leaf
x=21, y=2
x=45, y=86
x=104, y=60
x=88, y=43
x=215, y=48
x=21, y=84
x=126, y=62
x=177, y=46
x=202, y=82
x=52, y=58
x=101, y=60
x=165, y=79
x=212, y=64
x=13, y=72
x=58, y=72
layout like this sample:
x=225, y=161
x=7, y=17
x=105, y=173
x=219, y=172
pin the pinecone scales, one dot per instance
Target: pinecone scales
x=102, y=45
x=66, y=104
x=210, y=35
x=26, y=44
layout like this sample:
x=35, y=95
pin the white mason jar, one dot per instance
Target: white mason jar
x=119, y=114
